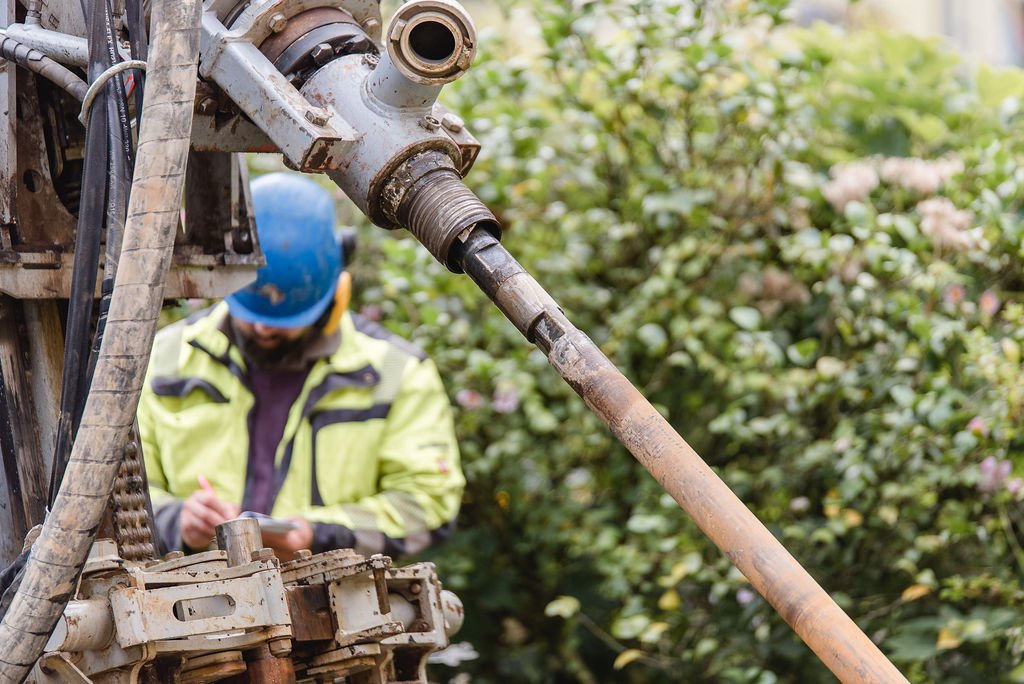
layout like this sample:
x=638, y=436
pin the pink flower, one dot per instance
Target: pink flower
x=954, y=294
x=993, y=474
x=979, y=427
x=949, y=227
x=469, y=399
x=988, y=303
x=1015, y=486
x=505, y=401
x=851, y=182
x=745, y=596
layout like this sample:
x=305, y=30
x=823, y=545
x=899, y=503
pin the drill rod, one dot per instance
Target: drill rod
x=719, y=513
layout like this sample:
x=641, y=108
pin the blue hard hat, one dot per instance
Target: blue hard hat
x=295, y=223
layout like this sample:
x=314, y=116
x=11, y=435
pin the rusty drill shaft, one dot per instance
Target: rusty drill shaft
x=783, y=582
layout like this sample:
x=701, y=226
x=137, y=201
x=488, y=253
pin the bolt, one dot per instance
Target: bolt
x=371, y=25
x=303, y=554
x=322, y=53
x=396, y=29
x=416, y=588
x=318, y=116
x=277, y=22
x=262, y=554
x=453, y=122
x=207, y=105
x=280, y=648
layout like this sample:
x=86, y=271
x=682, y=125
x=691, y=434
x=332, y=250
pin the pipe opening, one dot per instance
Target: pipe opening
x=432, y=41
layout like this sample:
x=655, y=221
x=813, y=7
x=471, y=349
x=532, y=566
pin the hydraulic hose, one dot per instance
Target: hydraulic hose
x=433, y=203
x=40, y=64
x=103, y=200
x=60, y=552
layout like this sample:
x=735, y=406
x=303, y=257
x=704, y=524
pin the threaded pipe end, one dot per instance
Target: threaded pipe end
x=436, y=206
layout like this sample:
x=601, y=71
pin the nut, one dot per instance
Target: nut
x=453, y=122
x=318, y=116
x=322, y=53
x=277, y=22
x=303, y=554
x=262, y=554
x=280, y=648
x=207, y=105
x=430, y=122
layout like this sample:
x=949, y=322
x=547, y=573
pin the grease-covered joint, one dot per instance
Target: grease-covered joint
x=426, y=195
x=513, y=290
x=311, y=39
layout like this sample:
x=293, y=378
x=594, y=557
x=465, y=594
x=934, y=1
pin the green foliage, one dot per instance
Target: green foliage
x=735, y=210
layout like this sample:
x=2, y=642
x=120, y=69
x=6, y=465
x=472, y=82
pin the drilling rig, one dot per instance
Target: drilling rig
x=124, y=185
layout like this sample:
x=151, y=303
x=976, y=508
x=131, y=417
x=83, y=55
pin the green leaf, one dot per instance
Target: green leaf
x=803, y=352
x=902, y=395
x=626, y=657
x=654, y=338
x=996, y=84
x=746, y=317
x=563, y=607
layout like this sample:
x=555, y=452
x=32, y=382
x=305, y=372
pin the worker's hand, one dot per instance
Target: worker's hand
x=285, y=544
x=200, y=515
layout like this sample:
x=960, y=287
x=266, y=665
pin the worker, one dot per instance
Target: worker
x=279, y=401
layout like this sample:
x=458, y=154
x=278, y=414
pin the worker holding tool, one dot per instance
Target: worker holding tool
x=280, y=404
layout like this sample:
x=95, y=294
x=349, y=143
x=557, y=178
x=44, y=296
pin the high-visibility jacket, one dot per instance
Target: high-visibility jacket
x=368, y=452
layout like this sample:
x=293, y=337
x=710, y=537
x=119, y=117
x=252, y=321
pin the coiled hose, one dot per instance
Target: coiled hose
x=62, y=548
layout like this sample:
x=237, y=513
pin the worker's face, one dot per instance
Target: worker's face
x=265, y=345
x=268, y=337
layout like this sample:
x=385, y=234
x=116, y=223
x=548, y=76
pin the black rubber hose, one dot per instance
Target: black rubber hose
x=118, y=181
x=77, y=346
x=138, y=38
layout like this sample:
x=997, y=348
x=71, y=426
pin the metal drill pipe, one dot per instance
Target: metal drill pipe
x=719, y=513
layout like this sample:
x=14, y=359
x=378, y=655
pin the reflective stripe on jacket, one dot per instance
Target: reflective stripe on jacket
x=368, y=446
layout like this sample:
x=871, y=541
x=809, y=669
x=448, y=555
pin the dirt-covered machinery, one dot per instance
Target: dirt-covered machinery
x=121, y=186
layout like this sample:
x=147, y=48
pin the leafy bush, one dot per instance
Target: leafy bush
x=804, y=246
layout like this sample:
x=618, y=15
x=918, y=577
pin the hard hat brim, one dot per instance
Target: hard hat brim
x=303, y=319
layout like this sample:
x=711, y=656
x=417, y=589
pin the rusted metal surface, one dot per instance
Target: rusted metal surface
x=42, y=219
x=47, y=275
x=84, y=626
x=301, y=24
x=191, y=610
x=312, y=603
x=225, y=132
x=822, y=624
x=211, y=668
x=266, y=668
x=130, y=508
x=24, y=477
x=239, y=539
x=265, y=95
x=201, y=619
x=217, y=218
x=8, y=133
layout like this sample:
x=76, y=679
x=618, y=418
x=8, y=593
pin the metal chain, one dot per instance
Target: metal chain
x=130, y=509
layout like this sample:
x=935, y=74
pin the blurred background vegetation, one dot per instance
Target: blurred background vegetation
x=804, y=245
